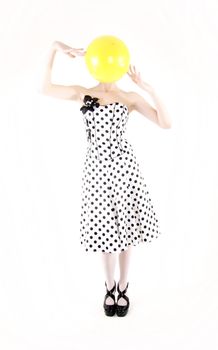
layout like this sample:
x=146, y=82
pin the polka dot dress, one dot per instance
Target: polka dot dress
x=116, y=208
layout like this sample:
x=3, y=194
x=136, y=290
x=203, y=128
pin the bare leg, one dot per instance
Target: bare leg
x=124, y=260
x=109, y=262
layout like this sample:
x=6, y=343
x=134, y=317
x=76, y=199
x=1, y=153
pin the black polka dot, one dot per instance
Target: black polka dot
x=116, y=206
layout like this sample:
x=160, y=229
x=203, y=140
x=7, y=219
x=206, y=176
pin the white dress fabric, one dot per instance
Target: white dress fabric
x=116, y=208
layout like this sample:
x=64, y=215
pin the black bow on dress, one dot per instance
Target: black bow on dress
x=90, y=103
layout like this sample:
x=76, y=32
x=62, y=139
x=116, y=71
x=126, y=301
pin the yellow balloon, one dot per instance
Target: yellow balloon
x=107, y=58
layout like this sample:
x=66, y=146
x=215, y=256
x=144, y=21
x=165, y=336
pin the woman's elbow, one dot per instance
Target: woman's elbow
x=167, y=125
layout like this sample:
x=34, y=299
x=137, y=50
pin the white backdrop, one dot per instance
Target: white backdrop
x=51, y=291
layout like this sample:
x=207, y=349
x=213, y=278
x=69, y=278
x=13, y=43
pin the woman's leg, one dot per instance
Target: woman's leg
x=124, y=260
x=109, y=263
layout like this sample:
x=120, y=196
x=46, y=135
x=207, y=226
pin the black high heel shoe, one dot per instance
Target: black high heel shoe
x=122, y=310
x=110, y=309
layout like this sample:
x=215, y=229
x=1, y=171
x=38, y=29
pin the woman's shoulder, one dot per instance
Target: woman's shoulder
x=125, y=97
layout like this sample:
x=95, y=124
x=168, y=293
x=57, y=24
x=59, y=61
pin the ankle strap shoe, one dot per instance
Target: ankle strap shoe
x=122, y=310
x=110, y=310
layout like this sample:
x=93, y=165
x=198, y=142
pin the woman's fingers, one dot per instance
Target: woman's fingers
x=135, y=70
x=133, y=73
x=72, y=52
x=131, y=69
x=72, y=49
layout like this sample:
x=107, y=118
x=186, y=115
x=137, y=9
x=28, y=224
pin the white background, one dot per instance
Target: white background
x=51, y=290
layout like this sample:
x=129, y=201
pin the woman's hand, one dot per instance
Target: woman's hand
x=136, y=78
x=72, y=52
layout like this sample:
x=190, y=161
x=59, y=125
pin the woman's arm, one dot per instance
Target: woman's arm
x=59, y=91
x=159, y=114
x=48, y=68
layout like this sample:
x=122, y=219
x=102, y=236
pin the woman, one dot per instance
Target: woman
x=115, y=214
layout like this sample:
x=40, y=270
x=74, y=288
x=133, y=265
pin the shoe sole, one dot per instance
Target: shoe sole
x=111, y=311
x=120, y=312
